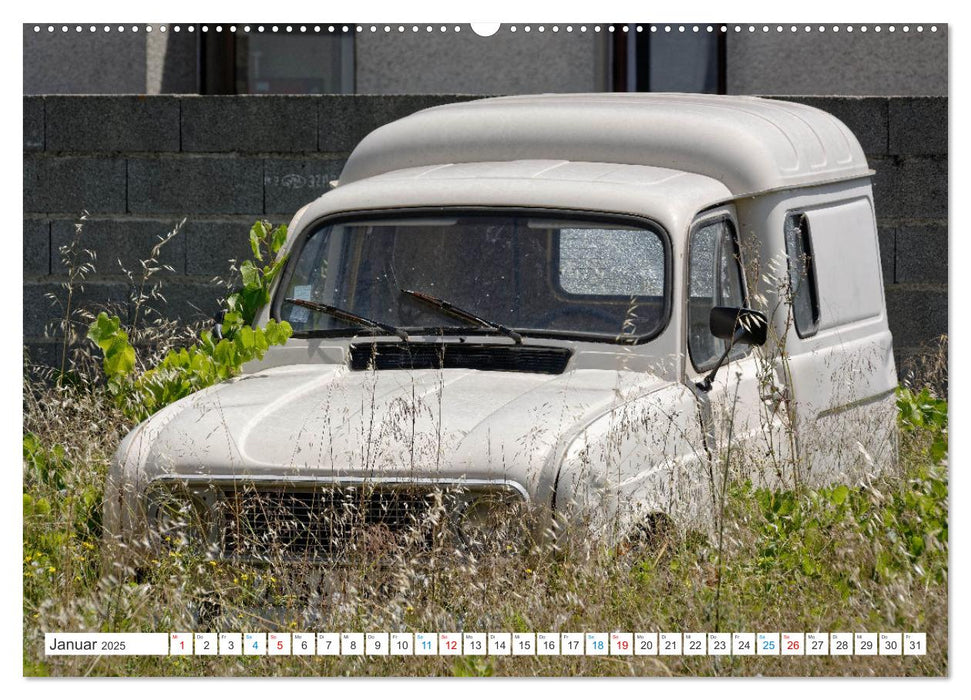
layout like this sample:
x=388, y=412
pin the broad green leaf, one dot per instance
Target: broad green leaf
x=254, y=243
x=250, y=274
x=245, y=338
x=224, y=353
x=274, y=270
x=259, y=229
x=103, y=329
x=119, y=358
x=279, y=238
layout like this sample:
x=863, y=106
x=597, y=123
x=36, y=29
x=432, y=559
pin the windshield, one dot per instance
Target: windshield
x=535, y=275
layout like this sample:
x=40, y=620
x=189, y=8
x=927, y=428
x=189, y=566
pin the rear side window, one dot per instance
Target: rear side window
x=714, y=279
x=802, y=275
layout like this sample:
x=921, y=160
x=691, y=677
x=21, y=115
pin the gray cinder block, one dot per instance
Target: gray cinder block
x=922, y=253
x=37, y=247
x=249, y=123
x=33, y=123
x=41, y=355
x=71, y=184
x=345, y=119
x=121, y=243
x=916, y=315
x=289, y=183
x=210, y=245
x=910, y=187
x=130, y=123
x=189, y=302
x=920, y=188
x=43, y=316
x=182, y=185
x=918, y=125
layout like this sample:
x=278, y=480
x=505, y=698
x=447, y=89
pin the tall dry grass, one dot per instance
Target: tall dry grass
x=857, y=557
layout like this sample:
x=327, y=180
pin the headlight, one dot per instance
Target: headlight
x=179, y=516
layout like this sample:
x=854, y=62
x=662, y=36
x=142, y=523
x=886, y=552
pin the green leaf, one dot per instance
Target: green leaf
x=103, y=329
x=119, y=358
x=278, y=239
x=250, y=274
x=273, y=270
x=246, y=338
x=254, y=244
x=839, y=494
x=259, y=230
x=261, y=343
x=225, y=353
x=277, y=333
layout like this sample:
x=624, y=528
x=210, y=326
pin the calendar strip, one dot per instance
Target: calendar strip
x=487, y=644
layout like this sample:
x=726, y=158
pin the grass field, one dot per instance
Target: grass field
x=867, y=557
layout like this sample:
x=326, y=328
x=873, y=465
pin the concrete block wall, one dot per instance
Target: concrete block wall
x=138, y=165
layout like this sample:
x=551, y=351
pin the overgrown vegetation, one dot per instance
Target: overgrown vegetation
x=871, y=556
x=185, y=370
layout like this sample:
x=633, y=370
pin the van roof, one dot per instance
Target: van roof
x=750, y=144
x=669, y=197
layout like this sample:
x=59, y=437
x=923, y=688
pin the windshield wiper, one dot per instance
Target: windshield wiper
x=348, y=316
x=462, y=314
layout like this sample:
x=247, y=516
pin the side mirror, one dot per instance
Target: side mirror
x=738, y=325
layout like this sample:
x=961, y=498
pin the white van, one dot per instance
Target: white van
x=600, y=305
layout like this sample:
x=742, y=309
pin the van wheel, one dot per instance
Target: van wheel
x=654, y=533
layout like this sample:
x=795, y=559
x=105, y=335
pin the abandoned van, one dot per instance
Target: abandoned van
x=602, y=306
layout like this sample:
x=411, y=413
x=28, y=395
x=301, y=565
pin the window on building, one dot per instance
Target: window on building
x=667, y=61
x=266, y=63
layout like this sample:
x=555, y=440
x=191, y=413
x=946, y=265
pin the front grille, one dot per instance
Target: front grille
x=327, y=522
x=272, y=521
x=486, y=357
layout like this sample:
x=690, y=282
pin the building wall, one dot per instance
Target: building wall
x=83, y=62
x=759, y=62
x=139, y=165
x=108, y=63
x=838, y=63
x=505, y=63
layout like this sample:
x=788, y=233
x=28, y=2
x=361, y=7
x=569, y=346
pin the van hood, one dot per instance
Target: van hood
x=330, y=422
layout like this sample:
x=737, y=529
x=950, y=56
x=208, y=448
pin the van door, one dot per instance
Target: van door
x=840, y=353
x=741, y=424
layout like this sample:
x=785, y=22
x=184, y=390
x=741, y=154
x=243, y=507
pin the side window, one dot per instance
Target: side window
x=714, y=279
x=802, y=275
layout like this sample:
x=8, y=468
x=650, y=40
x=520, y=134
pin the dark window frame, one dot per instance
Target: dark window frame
x=630, y=55
x=700, y=223
x=217, y=67
x=810, y=282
